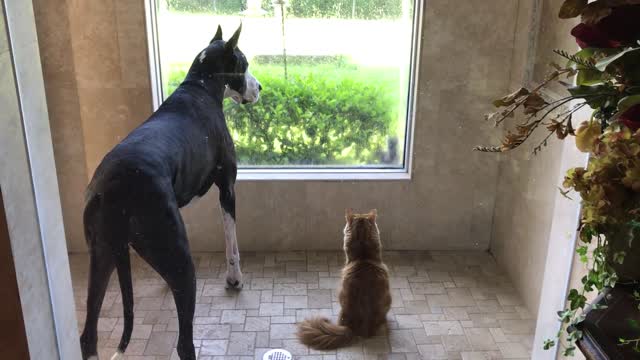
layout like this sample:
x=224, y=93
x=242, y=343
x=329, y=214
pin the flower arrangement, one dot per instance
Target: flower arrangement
x=604, y=75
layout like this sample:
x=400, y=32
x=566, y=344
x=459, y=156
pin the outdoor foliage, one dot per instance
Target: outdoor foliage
x=312, y=119
x=343, y=9
x=220, y=7
x=606, y=79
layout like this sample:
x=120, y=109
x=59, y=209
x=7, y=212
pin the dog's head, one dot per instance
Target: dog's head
x=226, y=59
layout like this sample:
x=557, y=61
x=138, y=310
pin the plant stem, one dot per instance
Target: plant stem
x=553, y=76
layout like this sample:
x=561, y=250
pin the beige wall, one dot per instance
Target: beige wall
x=94, y=56
x=94, y=100
x=527, y=184
x=94, y=62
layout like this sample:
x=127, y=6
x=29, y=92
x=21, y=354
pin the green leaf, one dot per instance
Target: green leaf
x=565, y=315
x=572, y=8
x=589, y=77
x=570, y=351
x=627, y=102
x=604, y=63
x=576, y=300
x=600, y=306
x=586, y=235
x=618, y=257
x=575, y=335
x=582, y=250
x=584, y=90
x=594, y=95
x=633, y=324
x=548, y=344
x=634, y=224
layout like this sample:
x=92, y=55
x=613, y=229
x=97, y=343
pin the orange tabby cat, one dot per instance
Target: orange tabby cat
x=365, y=298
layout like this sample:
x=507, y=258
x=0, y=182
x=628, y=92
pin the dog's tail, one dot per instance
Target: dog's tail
x=320, y=334
x=123, y=266
x=106, y=233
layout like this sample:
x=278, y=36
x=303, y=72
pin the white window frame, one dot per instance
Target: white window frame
x=309, y=173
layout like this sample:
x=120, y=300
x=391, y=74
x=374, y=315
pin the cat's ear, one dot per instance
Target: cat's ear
x=372, y=215
x=348, y=215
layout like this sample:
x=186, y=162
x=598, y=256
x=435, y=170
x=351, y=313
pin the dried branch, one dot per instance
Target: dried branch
x=573, y=58
x=492, y=149
x=522, y=100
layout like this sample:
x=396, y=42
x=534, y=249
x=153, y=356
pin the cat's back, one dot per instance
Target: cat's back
x=365, y=279
x=365, y=296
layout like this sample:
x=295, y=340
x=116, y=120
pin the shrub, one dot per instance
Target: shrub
x=336, y=61
x=312, y=119
x=222, y=7
x=343, y=9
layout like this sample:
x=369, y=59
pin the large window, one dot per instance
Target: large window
x=337, y=77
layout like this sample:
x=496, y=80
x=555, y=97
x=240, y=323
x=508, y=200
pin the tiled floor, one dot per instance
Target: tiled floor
x=446, y=305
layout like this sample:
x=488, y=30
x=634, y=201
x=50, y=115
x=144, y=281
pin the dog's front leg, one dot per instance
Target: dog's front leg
x=228, y=205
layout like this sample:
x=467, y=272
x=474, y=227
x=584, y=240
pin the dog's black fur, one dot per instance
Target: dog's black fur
x=136, y=192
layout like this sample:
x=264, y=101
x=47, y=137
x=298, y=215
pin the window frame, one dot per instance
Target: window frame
x=260, y=173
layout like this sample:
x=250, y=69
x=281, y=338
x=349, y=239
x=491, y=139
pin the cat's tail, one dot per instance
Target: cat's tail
x=320, y=334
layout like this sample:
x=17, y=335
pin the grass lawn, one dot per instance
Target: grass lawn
x=390, y=77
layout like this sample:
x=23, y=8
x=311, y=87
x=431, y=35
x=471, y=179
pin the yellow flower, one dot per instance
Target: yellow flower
x=586, y=135
x=631, y=178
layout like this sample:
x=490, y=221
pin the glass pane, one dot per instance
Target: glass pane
x=335, y=76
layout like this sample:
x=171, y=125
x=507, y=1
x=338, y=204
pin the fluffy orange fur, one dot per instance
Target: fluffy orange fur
x=364, y=298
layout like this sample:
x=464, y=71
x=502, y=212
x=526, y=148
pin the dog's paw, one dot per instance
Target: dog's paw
x=233, y=281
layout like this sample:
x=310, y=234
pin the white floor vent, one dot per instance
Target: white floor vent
x=277, y=354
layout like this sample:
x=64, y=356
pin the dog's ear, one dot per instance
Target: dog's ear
x=372, y=215
x=232, y=43
x=218, y=35
x=348, y=215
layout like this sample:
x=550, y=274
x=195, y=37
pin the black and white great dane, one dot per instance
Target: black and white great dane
x=137, y=190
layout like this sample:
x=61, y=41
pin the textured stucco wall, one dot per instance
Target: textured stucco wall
x=527, y=184
x=94, y=63
x=467, y=48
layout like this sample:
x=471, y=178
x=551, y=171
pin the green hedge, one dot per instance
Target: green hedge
x=222, y=7
x=335, y=61
x=313, y=119
x=364, y=9
x=344, y=9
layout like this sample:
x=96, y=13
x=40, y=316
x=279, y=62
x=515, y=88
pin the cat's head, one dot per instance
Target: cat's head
x=361, y=236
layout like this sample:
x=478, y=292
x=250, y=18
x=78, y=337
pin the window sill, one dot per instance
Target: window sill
x=322, y=174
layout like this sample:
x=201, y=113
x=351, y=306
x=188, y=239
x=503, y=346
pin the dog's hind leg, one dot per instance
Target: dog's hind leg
x=106, y=231
x=162, y=242
x=183, y=287
x=176, y=267
x=228, y=207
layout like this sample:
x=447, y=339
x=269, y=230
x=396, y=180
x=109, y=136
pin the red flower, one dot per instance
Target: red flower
x=631, y=117
x=616, y=30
